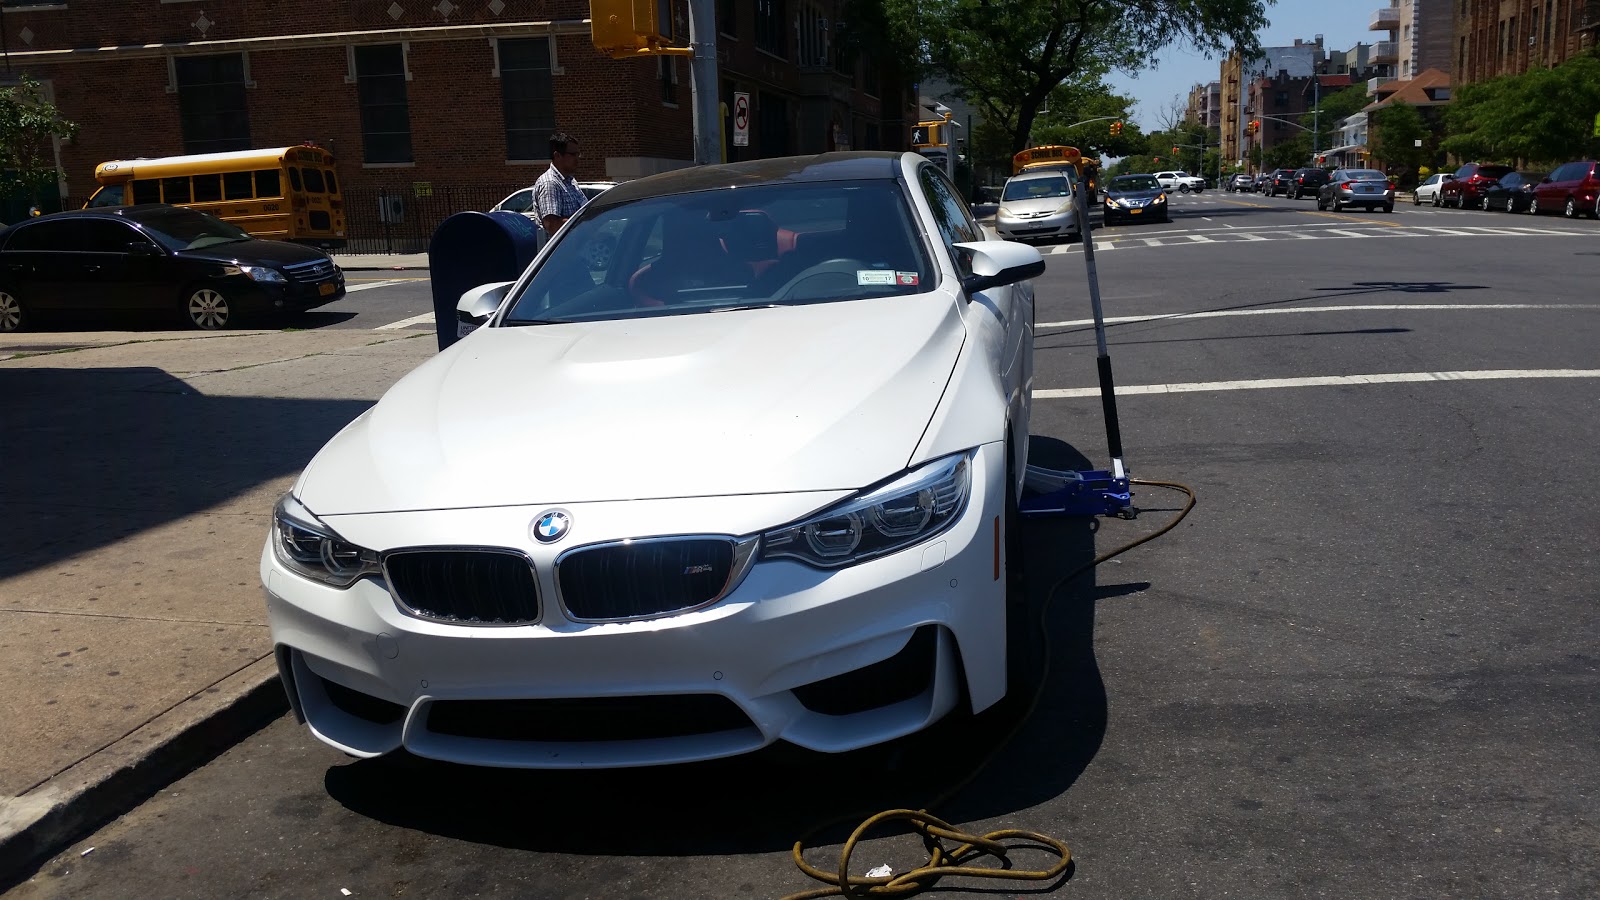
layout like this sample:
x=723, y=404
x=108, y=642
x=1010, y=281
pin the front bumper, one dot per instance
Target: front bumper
x=1372, y=200
x=792, y=654
x=250, y=296
x=1056, y=224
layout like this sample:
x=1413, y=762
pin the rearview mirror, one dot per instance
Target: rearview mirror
x=478, y=304
x=997, y=263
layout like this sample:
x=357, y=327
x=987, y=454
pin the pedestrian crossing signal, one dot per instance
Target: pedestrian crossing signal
x=927, y=134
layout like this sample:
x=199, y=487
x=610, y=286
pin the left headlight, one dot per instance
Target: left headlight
x=308, y=547
x=1160, y=198
x=264, y=274
x=881, y=520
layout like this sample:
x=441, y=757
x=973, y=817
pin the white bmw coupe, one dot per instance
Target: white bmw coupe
x=748, y=476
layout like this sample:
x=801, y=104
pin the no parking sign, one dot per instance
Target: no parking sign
x=741, y=118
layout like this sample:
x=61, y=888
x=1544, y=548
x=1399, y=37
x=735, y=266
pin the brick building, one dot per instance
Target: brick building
x=426, y=97
x=1507, y=37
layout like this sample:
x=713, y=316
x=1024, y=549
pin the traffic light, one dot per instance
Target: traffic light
x=626, y=28
x=1174, y=150
x=1116, y=128
x=1255, y=126
x=927, y=134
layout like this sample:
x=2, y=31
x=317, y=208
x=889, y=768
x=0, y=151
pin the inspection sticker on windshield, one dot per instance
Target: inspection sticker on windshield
x=906, y=277
x=874, y=276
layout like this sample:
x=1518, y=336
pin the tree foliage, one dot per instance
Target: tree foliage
x=27, y=123
x=1540, y=116
x=1334, y=108
x=1393, y=134
x=1007, y=56
x=1078, y=102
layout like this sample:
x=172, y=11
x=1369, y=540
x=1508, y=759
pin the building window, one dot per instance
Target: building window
x=211, y=105
x=772, y=121
x=528, y=94
x=385, y=113
x=668, y=73
x=813, y=36
x=728, y=17
x=769, y=27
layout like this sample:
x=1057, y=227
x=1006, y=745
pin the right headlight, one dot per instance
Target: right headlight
x=310, y=548
x=905, y=511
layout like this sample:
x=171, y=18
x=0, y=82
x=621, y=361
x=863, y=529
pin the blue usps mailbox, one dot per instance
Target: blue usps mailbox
x=473, y=248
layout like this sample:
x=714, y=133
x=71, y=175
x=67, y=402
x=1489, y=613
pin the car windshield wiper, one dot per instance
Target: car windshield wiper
x=509, y=323
x=721, y=309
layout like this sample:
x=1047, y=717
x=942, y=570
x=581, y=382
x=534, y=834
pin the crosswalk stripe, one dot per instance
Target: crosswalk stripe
x=407, y=323
x=1276, y=311
x=1318, y=381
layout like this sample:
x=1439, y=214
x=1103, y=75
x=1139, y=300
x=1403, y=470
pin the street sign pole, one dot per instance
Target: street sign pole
x=703, y=72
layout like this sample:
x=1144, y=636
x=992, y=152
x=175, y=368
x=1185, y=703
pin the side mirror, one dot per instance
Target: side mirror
x=143, y=248
x=478, y=304
x=997, y=263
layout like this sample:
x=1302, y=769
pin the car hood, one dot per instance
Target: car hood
x=256, y=252
x=1033, y=205
x=818, y=397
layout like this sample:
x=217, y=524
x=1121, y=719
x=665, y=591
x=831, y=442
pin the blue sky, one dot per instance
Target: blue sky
x=1342, y=23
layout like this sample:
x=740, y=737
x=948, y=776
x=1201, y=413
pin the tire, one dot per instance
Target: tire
x=1484, y=204
x=1320, y=205
x=1388, y=208
x=1337, y=206
x=1183, y=189
x=1571, y=209
x=207, y=309
x=1437, y=203
x=1533, y=206
x=13, y=315
x=1415, y=200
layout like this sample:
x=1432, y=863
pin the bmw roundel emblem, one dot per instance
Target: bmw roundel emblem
x=551, y=526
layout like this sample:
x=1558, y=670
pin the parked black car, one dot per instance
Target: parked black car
x=1513, y=192
x=1280, y=181
x=155, y=257
x=1306, y=182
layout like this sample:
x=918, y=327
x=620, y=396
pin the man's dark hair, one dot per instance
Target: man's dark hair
x=559, y=141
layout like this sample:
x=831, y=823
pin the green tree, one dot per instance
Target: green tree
x=1076, y=102
x=28, y=122
x=1542, y=116
x=1334, y=108
x=1394, y=131
x=1007, y=56
x=1290, y=154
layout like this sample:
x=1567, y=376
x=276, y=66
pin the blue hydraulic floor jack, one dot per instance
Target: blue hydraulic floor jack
x=1091, y=492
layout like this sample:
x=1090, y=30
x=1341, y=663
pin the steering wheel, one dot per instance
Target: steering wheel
x=598, y=253
x=831, y=268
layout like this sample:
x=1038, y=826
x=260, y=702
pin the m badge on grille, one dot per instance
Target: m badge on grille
x=697, y=570
x=551, y=526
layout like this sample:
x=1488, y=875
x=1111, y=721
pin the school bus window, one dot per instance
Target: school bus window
x=110, y=195
x=333, y=183
x=313, y=180
x=175, y=190
x=294, y=180
x=147, y=191
x=207, y=188
x=236, y=186
x=267, y=183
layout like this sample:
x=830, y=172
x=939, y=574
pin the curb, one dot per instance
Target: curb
x=382, y=268
x=74, y=803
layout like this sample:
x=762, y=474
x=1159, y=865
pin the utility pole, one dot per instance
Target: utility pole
x=703, y=74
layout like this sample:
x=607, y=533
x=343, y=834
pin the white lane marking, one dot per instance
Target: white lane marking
x=1201, y=239
x=1367, y=307
x=406, y=323
x=1346, y=233
x=1323, y=232
x=1318, y=381
x=1455, y=232
x=369, y=285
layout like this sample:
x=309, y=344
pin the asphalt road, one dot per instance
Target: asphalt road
x=1367, y=665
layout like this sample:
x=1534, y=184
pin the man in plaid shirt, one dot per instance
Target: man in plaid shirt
x=556, y=197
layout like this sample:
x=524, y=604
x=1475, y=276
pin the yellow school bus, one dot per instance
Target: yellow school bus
x=282, y=193
x=1053, y=156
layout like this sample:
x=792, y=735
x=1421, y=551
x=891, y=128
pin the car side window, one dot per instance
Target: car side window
x=59, y=235
x=954, y=220
x=1560, y=174
x=100, y=236
x=518, y=202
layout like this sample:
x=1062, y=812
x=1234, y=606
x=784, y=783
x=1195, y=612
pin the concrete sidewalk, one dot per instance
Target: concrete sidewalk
x=357, y=262
x=141, y=471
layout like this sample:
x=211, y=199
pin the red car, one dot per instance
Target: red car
x=1466, y=190
x=1573, y=188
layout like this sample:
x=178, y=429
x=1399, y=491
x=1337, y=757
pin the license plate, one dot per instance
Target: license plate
x=325, y=289
x=1134, y=212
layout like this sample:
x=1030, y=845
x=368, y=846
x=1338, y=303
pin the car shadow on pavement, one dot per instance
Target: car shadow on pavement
x=1020, y=752
x=94, y=455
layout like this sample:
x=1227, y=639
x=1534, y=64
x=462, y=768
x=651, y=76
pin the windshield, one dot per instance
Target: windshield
x=1135, y=183
x=1365, y=175
x=1037, y=186
x=188, y=229
x=766, y=245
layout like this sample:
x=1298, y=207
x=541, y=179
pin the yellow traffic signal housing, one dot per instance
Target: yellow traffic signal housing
x=1116, y=128
x=626, y=28
x=928, y=134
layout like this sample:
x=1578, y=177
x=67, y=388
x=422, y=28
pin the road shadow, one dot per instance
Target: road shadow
x=92, y=456
x=1023, y=751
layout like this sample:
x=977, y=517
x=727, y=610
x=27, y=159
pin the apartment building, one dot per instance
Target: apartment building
x=1505, y=37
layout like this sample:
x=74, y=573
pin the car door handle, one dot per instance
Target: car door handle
x=91, y=269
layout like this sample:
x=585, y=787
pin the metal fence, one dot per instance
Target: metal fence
x=402, y=220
